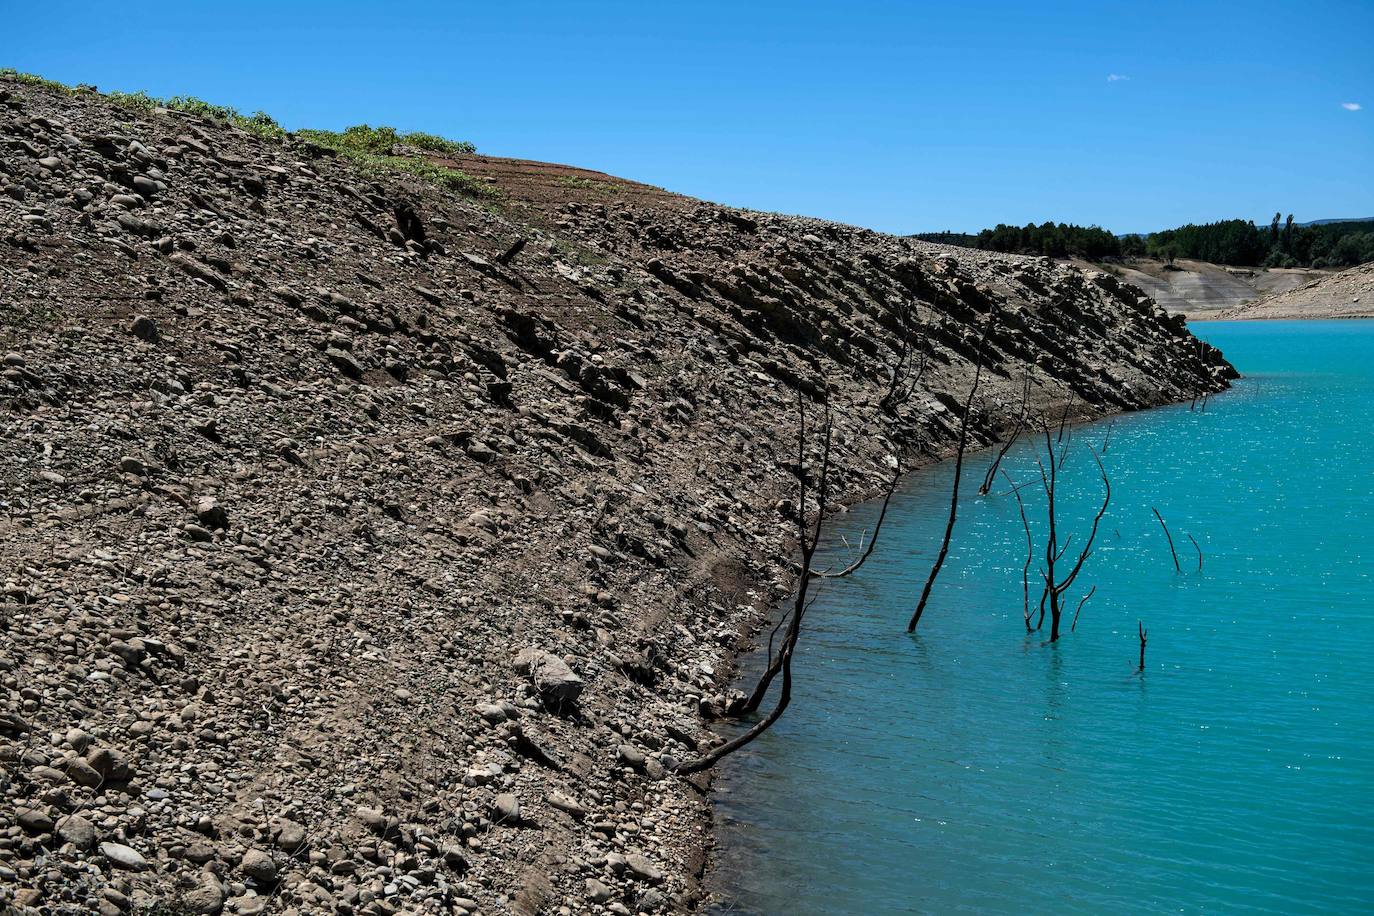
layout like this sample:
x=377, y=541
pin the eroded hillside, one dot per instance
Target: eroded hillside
x=1201, y=290
x=1348, y=294
x=296, y=461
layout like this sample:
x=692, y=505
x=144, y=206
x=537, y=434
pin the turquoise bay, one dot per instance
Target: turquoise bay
x=972, y=768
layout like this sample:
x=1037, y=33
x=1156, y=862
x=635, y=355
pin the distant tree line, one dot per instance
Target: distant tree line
x=1280, y=244
x=1055, y=240
x=1234, y=241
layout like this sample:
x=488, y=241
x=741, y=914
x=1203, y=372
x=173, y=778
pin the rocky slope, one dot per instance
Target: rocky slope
x=1348, y=294
x=354, y=561
x=1201, y=290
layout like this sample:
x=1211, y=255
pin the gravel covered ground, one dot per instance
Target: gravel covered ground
x=350, y=566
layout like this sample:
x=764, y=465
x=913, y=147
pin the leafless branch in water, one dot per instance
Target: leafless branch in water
x=958, y=476
x=1064, y=418
x=1030, y=554
x=1172, y=551
x=1082, y=601
x=1055, y=586
x=808, y=538
x=1011, y=440
x=1199, y=552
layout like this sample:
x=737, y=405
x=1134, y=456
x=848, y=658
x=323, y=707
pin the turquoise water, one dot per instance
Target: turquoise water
x=972, y=769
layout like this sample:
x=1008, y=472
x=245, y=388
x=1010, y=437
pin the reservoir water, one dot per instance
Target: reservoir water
x=972, y=768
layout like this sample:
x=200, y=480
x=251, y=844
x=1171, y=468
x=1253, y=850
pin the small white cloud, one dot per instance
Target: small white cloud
x=1351, y=106
x=1116, y=77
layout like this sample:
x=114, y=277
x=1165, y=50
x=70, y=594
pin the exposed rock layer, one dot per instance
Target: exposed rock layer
x=1348, y=294
x=297, y=462
x=1202, y=290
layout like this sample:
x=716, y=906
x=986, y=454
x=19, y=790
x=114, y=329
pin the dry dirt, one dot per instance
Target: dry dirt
x=1201, y=290
x=1348, y=294
x=345, y=568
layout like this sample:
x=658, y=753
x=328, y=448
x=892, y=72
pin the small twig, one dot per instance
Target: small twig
x=1199, y=551
x=1084, y=600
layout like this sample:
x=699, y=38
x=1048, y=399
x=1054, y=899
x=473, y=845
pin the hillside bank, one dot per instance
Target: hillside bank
x=1348, y=294
x=1202, y=290
x=297, y=462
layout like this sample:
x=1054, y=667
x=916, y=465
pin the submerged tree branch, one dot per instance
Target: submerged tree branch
x=1199, y=552
x=958, y=476
x=1030, y=553
x=1172, y=551
x=1015, y=433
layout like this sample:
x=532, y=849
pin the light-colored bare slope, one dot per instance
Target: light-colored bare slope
x=1348, y=294
x=1200, y=289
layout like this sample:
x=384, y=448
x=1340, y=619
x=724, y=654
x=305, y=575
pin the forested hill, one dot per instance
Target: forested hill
x=1282, y=243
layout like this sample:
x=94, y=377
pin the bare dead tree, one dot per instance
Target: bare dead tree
x=1030, y=553
x=1006, y=446
x=958, y=476
x=1056, y=587
x=1140, y=624
x=774, y=666
x=1199, y=552
x=1107, y=440
x=910, y=365
x=808, y=538
x=1064, y=418
x=1172, y=551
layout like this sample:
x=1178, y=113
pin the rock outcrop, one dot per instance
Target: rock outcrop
x=297, y=461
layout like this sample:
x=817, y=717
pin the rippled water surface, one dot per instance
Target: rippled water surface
x=973, y=769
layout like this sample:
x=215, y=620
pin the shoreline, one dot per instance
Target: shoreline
x=299, y=500
x=843, y=756
x=1234, y=320
x=749, y=627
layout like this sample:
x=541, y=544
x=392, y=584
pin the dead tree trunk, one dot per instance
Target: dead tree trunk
x=808, y=537
x=1030, y=552
x=1006, y=446
x=958, y=476
x=774, y=667
x=1143, y=633
x=1170, y=537
x=1055, y=587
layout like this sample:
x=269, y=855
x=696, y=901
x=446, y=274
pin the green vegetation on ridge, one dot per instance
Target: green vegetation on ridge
x=1055, y=240
x=1280, y=244
x=1233, y=241
x=382, y=149
x=375, y=150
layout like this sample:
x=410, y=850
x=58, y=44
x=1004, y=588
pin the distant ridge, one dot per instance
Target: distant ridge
x=1327, y=222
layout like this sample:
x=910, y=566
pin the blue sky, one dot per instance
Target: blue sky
x=898, y=116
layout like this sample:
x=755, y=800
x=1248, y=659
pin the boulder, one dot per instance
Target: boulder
x=122, y=856
x=550, y=675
